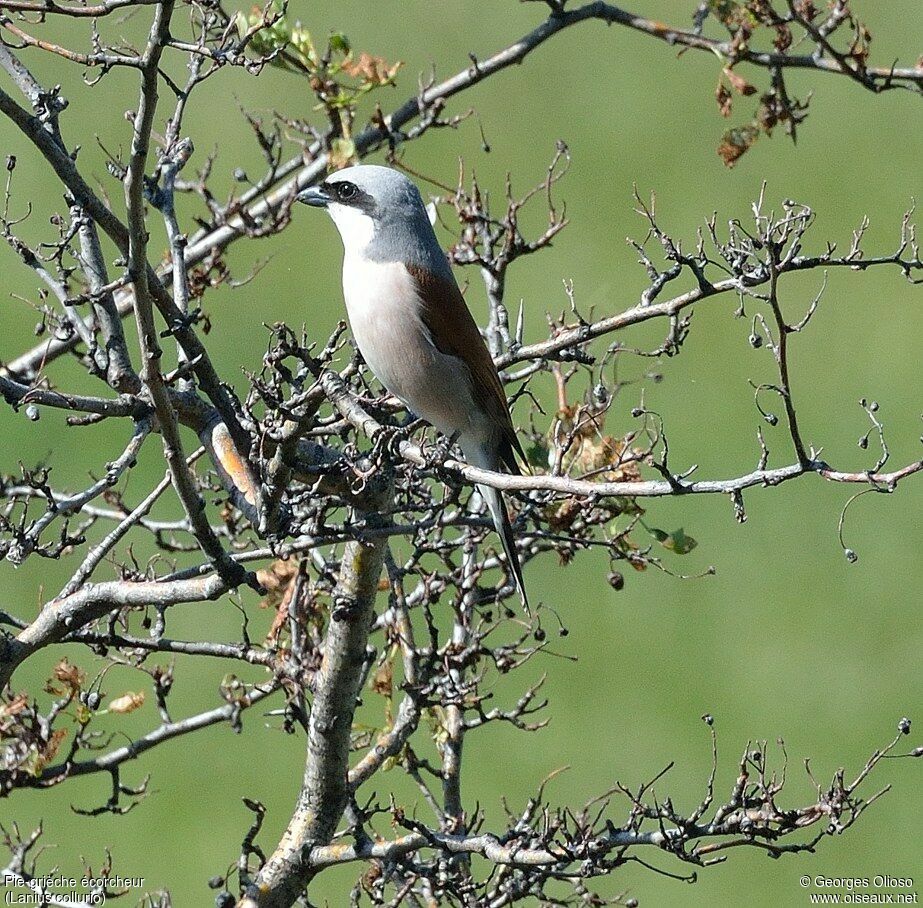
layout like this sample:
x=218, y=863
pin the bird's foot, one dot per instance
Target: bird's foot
x=438, y=453
x=389, y=440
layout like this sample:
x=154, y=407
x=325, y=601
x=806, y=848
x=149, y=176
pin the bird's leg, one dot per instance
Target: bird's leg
x=440, y=451
x=388, y=440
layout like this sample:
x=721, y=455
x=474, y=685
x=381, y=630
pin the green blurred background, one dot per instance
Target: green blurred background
x=787, y=639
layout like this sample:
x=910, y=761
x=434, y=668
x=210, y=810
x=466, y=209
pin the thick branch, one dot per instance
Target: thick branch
x=77, y=11
x=325, y=789
x=59, y=617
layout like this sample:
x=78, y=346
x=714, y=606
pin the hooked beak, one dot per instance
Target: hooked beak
x=313, y=196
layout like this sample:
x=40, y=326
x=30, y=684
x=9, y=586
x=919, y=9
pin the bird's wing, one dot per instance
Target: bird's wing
x=453, y=332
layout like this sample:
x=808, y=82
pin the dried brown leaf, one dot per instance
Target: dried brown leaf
x=127, y=703
x=276, y=579
x=54, y=742
x=383, y=679
x=69, y=675
x=738, y=82
x=736, y=142
x=723, y=99
x=13, y=707
x=369, y=68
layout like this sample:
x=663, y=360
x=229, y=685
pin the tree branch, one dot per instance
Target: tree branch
x=325, y=789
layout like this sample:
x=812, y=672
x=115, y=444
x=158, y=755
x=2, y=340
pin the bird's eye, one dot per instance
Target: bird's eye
x=346, y=191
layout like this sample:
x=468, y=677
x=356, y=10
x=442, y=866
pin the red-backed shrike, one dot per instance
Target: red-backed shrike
x=412, y=326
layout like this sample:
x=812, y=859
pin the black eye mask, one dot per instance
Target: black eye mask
x=344, y=192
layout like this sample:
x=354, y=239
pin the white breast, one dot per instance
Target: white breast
x=384, y=314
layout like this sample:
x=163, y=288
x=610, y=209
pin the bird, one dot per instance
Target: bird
x=414, y=329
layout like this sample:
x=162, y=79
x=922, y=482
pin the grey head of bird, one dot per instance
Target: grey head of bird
x=380, y=216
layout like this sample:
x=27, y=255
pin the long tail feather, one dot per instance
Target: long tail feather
x=501, y=519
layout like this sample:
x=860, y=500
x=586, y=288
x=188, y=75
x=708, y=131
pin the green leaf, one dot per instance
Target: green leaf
x=680, y=543
x=303, y=46
x=342, y=152
x=537, y=455
x=677, y=541
x=436, y=717
x=340, y=43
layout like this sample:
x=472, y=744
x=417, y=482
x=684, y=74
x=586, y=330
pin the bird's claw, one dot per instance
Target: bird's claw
x=388, y=441
x=437, y=455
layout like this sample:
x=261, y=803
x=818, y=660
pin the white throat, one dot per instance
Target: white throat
x=356, y=227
